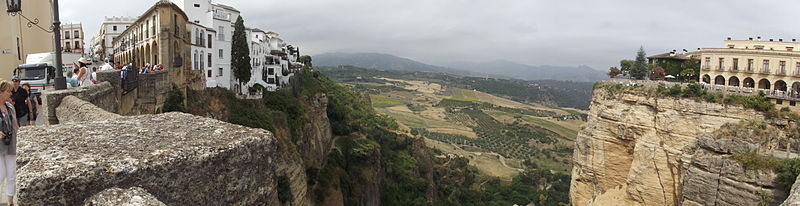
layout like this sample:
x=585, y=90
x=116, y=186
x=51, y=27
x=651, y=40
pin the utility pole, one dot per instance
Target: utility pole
x=60, y=81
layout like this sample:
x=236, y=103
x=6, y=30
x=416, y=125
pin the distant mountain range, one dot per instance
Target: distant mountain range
x=498, y=68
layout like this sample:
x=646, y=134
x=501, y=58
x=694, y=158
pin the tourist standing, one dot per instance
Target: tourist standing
x=108, y=66
x=21, y=103
x=8, y=145
x=34, y=100
x=84, y=75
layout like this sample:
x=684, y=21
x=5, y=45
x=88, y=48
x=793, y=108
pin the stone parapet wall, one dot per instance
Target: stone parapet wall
x=73, y=109
x=152, y=92
x=103, y=95
x=179, y=158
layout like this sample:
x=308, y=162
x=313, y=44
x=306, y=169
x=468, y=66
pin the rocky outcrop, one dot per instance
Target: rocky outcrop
x=134, y=196
x=794, y=197
x=316, y=136
x=642, y=150
x=179, y=158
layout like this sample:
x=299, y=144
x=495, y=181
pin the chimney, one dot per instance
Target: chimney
x=751, y=38
x=729, y=38
x=770, y=39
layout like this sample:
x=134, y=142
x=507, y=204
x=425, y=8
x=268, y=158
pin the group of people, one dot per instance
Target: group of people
x=82, y=76
x=18, y=109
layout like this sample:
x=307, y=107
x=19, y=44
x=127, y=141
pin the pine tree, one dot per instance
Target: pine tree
x=640, y=70
x=240, y=53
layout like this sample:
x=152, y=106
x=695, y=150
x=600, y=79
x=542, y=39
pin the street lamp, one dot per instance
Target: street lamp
x=15, y=7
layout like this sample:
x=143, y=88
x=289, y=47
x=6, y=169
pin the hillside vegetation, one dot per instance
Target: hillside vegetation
x=371, y=149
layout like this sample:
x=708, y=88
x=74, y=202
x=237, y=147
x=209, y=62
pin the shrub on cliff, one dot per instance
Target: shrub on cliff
x=174, y=101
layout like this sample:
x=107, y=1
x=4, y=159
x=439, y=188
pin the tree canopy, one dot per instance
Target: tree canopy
x=640, y=69
x=240, y=53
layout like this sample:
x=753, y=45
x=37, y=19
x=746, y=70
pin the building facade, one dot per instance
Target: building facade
x=772, y=67
x=17, y=40
x=160, y=37
x=110, y=29
x=72, y=38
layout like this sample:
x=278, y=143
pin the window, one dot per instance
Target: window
x=209, y=59
x=209, y=73
x=778, y=101
x=68, y=46
x=202, y=38
x=750, y=65
x=708, y=63
x=219, y=74
x=66, y=35
x=782, y=67
x=220, y=53
x=153, y=27
x=202, y=63
x=175, y=22
x=77, y=45
x=765, y=69
x=209, y=40
x=271, y=71
x=797, y=69
x=221, y=33
x=197, y=5
x=721, y=64
x=114, y=28
x=77, y=34
x=735, y=64
x=194, y=60
x=147, y=34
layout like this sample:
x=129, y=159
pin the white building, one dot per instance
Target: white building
x=72, y=38
x=202, y=53
x=271, y=58
x=110, y=29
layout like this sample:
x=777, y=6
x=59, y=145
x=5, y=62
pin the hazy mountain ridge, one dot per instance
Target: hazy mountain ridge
x=497, y=68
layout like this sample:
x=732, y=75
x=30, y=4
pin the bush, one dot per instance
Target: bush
x=284, y=189
x=174, y=102
x=787, y=174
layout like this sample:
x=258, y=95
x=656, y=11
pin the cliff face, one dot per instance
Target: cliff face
x=638, y=150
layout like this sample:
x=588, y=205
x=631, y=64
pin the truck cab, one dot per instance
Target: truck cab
x=40, y=76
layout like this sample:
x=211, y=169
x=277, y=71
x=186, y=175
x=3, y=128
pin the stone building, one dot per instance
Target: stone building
x=160, y=37
x=72, y=38
x=110, y=29
x=771, y=66
x=18, y=40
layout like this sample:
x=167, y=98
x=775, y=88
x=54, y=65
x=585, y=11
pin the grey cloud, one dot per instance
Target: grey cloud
x=536, y=32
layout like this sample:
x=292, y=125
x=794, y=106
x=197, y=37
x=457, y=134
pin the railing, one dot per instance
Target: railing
x=765, y=71
x=781, y=72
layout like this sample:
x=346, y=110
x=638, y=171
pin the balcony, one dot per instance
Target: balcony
x=706, y=68
x=764, y=71
x=720, y=68
x=781, y=72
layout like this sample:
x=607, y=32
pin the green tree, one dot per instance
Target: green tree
x=625, y=66
x=613, y=72
x=640, y=69
x=305, y=59
x=240, y=53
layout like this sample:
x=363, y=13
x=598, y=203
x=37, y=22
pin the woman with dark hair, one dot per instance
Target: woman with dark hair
x=84, y=75
x=8, y=140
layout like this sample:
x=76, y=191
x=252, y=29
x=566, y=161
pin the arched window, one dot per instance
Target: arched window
x=202, y=54
x=196, y=66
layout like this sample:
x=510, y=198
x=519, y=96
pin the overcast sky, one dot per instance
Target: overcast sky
x=553, y=32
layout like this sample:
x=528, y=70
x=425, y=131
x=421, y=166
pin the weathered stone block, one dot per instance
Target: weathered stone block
x=134, y=196
x=103, y=95
x=179, y=158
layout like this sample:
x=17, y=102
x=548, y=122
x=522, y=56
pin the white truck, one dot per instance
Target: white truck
x=39, y=70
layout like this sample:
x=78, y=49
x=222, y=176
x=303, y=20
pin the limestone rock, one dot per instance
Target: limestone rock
x=637, y=150
x=73, y=109
x=179, y=158
x=134, y=196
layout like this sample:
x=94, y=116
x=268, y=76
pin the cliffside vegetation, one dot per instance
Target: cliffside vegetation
x=369, y=159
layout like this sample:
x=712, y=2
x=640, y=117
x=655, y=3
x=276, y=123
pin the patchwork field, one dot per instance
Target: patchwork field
x=499, y=136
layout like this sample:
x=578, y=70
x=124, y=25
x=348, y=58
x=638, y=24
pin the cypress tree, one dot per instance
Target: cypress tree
x=640, y=70
x=240, y=53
